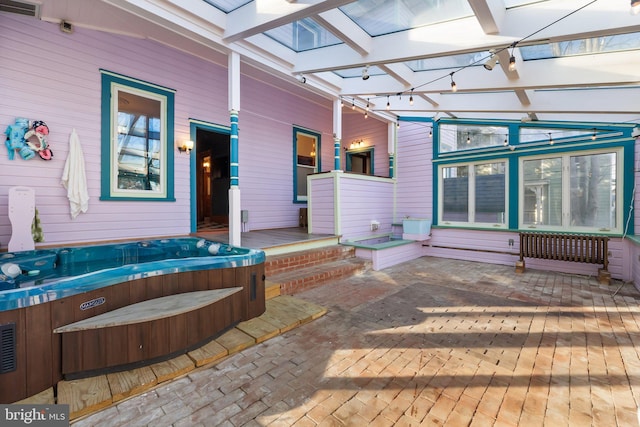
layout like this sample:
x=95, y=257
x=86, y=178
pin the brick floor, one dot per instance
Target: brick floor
x=429, y=342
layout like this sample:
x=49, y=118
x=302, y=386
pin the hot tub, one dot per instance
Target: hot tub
x=45, y=299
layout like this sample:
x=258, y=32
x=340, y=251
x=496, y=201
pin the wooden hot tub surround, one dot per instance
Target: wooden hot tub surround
x=51, y=344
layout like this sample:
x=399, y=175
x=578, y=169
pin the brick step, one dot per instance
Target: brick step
x=291, y=282
x=277, y=264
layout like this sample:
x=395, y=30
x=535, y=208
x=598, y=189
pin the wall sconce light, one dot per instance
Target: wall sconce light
x=186, y=147
x=356, y=144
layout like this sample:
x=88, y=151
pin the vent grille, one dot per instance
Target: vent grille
x=20, y=7
x=7, y=348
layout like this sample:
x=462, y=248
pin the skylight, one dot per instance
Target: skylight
x=619, y=42
x=378, y=17
x=227, y=5
x=357, y=72
x=302, y=35
x=446, y=62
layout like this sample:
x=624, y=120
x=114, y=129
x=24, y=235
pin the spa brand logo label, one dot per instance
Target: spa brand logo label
x=93, y=303
x=34, y=415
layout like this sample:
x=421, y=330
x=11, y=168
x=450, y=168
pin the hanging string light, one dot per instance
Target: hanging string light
x=550, y=139
x=512, y=59
x=468, y=139
x=430, y=131
x=353, y=103
x=411, y=98
x=454, y=87
x=388, y=105
x=593, y=137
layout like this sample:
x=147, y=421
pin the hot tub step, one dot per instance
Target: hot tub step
x=153, y=309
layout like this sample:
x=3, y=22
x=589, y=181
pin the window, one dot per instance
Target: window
x=576, y=190
x=137, y=140
x=474, y=194
x=459, y=137
x=360, y=161
x=306, y=146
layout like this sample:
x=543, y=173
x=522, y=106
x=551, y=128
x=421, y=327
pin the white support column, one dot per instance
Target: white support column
x=337, y=134
x=392, y=133
x=235, y=222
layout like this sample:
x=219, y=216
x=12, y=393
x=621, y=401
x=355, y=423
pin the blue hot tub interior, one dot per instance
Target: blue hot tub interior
x=51, y=272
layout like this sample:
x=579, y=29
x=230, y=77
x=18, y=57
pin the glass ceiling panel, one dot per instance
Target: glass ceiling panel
x=302, y=35
x=515, y=3
x=227, y=5
x=588, y=46
x=453, y=61
x=378, y=17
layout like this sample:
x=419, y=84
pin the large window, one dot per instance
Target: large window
x=306, y=149
x=137, y=140
x=576, y=191
x=474, y=194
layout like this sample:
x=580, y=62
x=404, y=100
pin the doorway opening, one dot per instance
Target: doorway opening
x=213, y=178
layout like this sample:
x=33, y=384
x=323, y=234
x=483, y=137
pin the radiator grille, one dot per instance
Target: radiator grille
x=565, y=247
x=7, y=348
x=20, y=7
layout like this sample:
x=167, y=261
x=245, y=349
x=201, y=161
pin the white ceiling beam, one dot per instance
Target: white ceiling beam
x=338, y=24
x=259, y=16
x=403, y=74
x=489, y=13
x=595, y=101
x=607, y=69
x=523, y=97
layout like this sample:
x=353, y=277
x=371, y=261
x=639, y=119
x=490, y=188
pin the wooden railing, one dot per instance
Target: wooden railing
x=566, y=247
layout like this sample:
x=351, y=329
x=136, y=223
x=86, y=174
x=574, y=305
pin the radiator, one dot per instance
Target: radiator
x=566, y=247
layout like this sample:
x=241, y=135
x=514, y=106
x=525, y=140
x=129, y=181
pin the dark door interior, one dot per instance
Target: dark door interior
x=212, y=178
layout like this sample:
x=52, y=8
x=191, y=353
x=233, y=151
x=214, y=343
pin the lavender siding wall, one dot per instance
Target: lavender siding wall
x=362, y=201
x=63, y=89
x=267, y=118
x=414, y=171
x=321, y=204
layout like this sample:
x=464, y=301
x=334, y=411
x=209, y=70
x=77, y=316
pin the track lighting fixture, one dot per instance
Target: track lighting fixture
x=635, y=7
x=365, y=73
x=454, y=88
x=491, y=62
x=302, y=79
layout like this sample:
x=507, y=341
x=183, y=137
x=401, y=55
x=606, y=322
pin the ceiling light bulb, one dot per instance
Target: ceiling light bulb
x=353, y=104
x=454, y=88
x=411, y=100
x=388, y=105
x=512, y=63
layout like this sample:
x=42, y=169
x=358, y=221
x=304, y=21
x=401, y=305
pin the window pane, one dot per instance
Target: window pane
x=465, y=137
x=593, y=190
x=306, y=163
x=455, y=194
x=139, y=149
x=490, y=193
x=542, y=192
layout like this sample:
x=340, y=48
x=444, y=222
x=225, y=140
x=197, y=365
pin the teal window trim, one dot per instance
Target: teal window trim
x=318, y=168
x=194, y=125
x=351, y=152
x=611, y=136
x=109, y=81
